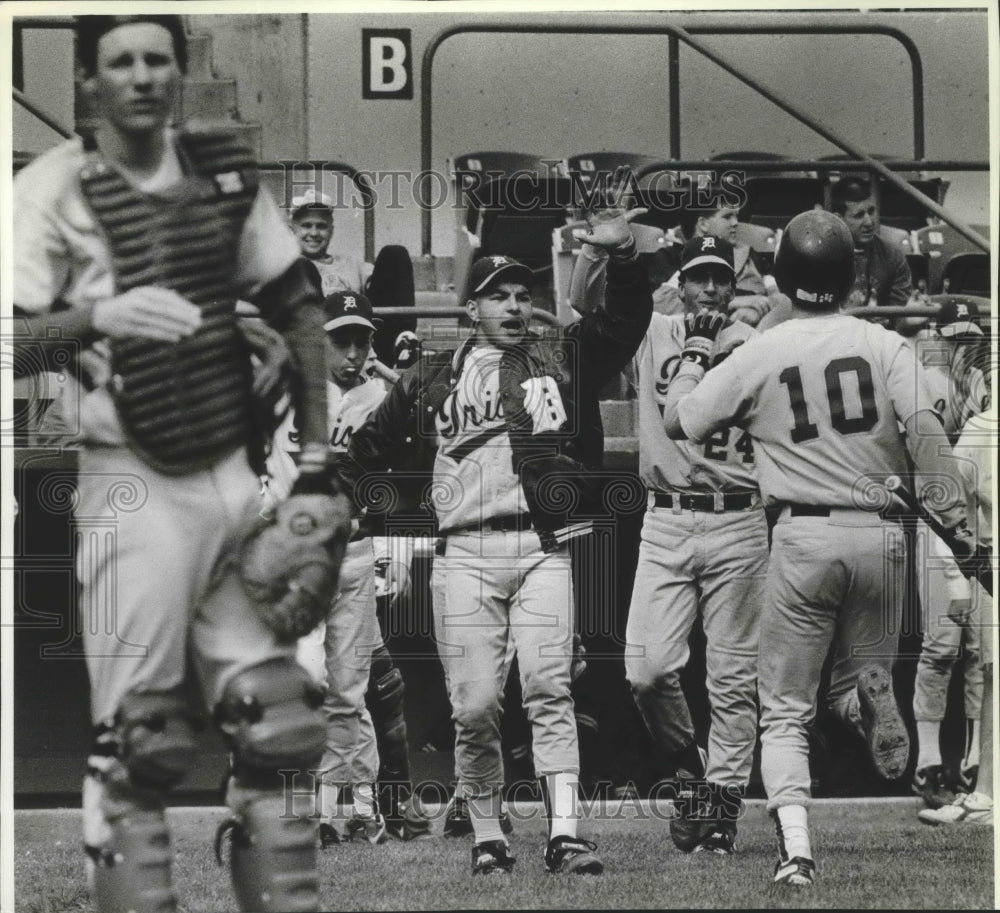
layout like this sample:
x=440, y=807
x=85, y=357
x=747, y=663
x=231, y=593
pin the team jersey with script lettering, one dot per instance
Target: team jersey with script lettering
x=823, y=398
x=347, y=410
x=474, y=476
x=725, y=461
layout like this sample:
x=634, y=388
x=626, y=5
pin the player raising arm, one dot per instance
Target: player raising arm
x=822, y=396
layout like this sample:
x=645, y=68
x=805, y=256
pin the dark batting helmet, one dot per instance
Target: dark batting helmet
x=814, y=265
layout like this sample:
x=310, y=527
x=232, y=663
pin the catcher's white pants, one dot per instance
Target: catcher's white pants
x=715, y=564
x=343, y=660
x=496, y=593
x=839, y=581
x=947, y=643
x=155, y=594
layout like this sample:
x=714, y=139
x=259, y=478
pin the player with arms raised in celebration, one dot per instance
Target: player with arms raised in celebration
x=823, y=396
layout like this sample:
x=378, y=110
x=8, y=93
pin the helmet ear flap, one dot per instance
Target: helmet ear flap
x=814, y=263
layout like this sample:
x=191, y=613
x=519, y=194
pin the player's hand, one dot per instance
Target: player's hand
x=702, y=329
x=147, y=312
x=609, y=228
x=273, y=357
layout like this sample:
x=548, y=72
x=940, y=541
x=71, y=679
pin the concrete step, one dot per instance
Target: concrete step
x=432, y=274
x=208, y=98
x=199, y=48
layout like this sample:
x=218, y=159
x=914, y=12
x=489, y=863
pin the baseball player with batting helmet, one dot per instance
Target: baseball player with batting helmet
x=823, y=396
x=505, y=430
x=142, y=239
x=703, y=550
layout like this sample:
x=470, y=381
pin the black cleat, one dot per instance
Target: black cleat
x=328, y=836
x=720, y=840
x=885, y=731
x=492, y=857
x=691, y=821
x=799, y=872
x=571, y=855
x=930, y=784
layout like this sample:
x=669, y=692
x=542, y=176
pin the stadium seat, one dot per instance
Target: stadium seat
x=967, y=274
x=774, y=197
x=590, y=163
x=938, y=244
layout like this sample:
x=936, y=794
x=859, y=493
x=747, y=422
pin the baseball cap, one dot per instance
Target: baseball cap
x=487, y=271
x=344, y=309
x=959, y=317
x=707, y=249
x=311, y=199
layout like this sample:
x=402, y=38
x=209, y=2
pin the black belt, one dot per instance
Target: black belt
x=521, y=523
x=808, y=510
x=707, y=502
x=814, y=510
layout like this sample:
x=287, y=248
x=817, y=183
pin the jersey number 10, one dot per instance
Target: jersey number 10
x=804, y=429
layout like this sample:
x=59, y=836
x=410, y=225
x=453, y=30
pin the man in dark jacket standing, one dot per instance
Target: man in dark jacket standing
x=506, y=431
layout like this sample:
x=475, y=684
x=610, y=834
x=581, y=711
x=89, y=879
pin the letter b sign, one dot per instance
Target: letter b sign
x=386, y=64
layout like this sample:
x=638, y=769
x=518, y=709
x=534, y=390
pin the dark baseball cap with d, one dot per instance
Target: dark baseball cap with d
x=488, y=271
x=347, y=309
x=705, y=251
x=959, y=317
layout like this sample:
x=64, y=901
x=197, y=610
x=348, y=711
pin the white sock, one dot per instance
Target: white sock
x=971, y=758
x=563, y=811
x=484, y=813
x=364, y=800
x=929, y=740
x=329, y=793
x=794, y=823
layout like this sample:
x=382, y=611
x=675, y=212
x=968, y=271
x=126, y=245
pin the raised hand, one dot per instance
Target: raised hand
x=148, y=312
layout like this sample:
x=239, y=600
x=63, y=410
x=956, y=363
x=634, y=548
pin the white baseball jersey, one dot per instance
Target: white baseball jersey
x=975, y=451
x=473, y=469
x=347, y=410
x=823, y=398
x=725, y=461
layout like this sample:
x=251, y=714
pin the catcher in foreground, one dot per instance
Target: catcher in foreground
x=141, y=240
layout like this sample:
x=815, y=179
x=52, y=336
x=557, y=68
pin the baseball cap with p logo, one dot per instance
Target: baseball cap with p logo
x=344, y=309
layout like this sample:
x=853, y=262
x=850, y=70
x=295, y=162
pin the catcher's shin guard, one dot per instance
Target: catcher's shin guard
x=270, y=715
x=128, y=843
x=385, y=704
x=273, y=852
x=146, y=749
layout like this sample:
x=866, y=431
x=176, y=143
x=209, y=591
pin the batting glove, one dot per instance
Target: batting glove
x=703, y=329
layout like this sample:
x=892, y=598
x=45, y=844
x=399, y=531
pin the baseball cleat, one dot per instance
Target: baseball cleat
x=492, y=857
x=966, y=779
x=929, y=783
x=721, y=840
x=458, y=824
x=412, y=824
x=371, y=829
x=885, y=731
x=328, y=836
x=691, y=821
x=571, y=855
x=968, y=808
x=799, y=871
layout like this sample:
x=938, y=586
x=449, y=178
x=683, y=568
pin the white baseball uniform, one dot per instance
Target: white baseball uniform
x=710, y=560
x=339, y=651
x=823, y=398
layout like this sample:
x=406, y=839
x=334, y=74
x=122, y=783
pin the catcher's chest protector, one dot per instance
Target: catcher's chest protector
x=182, y=405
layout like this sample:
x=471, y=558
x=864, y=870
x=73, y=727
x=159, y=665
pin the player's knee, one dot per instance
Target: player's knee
x=270, y=716
x=647, y=680
x=475, y=705
x=152, y=735
x=537, y=686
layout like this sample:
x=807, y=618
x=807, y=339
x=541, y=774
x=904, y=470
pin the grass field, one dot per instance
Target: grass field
x=870, y=856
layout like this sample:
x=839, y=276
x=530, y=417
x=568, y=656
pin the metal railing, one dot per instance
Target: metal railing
x=676, y=34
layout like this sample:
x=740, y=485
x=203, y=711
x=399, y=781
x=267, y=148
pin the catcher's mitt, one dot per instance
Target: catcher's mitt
x=290, y=563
